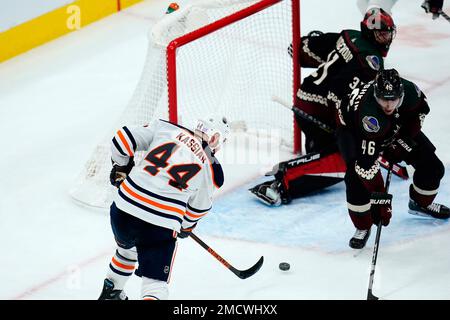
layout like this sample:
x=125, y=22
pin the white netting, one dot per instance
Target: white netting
x=234, y=71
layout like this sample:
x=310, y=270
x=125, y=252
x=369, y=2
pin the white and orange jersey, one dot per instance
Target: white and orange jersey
x=174, y=184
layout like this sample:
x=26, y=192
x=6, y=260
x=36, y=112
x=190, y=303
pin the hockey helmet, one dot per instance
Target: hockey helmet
x=379, y=28
x=388, y=85
x=216, y=128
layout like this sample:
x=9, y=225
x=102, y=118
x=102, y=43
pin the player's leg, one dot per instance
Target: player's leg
x=359, y=209
x=156, y=248
x=428, y=173
x=124, y=260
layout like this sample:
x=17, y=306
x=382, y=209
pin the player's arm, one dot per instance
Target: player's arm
x=200, y=202
x=197, y=207
x=314, y=48
x=124, y=144
x=415, y=113
x=415, y=108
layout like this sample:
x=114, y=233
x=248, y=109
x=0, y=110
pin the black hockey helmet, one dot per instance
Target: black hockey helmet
x=388, y=85
x=379, y=28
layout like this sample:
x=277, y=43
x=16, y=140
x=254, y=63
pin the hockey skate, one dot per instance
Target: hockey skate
x=271, y=193
x=108, y=292
x=434, y=210
x=359, y=239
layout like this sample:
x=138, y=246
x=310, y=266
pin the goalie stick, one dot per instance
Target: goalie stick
x=397, y=169
x=243, y=274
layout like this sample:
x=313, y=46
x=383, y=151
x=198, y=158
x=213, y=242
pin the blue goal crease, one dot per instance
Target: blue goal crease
x=319, y=221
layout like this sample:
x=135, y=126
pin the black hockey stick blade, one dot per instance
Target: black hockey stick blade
x=244, y=274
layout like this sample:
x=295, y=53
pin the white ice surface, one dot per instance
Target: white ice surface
x=58, y=101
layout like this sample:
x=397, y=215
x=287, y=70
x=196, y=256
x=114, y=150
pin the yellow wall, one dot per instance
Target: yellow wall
x=55, y=24
x=126, y=3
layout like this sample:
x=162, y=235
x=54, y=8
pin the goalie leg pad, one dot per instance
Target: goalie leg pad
x=313, y=172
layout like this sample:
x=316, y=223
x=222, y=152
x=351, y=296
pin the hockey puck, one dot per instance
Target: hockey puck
x=284, y=266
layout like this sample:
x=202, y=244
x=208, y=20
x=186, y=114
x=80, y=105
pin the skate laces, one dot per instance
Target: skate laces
x=436, y=207
x=360, y=234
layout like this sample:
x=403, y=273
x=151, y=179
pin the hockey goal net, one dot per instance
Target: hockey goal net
x=226, y=57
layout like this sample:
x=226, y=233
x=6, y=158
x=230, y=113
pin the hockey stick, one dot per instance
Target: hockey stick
x=303, y=114
x=398, y=170
x=446, y=17
x=243, y=274
x=370, y=295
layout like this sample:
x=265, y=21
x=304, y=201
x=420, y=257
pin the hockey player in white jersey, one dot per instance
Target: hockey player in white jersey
x=160, y=199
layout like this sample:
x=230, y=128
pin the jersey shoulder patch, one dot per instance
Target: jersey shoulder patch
x=371, y=124
x=374, y=62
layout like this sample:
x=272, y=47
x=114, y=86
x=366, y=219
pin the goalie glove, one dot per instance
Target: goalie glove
x=119, y=173
x=434, y=7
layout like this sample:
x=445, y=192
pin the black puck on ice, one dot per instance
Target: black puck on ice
x=284, y=266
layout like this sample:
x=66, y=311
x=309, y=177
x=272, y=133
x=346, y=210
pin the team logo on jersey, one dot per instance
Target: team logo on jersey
x=374, y=62
x=370, y=124
x=166, y=269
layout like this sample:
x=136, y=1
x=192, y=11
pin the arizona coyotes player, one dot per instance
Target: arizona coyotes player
x=386, y=115
x=343, y=60
x=160, y=199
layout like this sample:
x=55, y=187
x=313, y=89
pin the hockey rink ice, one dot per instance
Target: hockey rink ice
x=58, y=101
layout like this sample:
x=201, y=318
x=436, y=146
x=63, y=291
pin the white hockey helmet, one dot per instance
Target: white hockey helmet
x=216, y=128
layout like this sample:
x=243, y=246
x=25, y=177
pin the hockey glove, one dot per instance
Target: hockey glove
x=399, y=150
x=381, y=207
x=434, y=7
x=186, y=232
x=119, y=173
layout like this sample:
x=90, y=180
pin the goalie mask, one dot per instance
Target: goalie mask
x=214, y=130
x=379, y=28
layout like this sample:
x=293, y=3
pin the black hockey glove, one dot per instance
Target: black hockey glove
x=186, y=232
x=381, y=207
x=399, y=150
x=120, y=173
x=434, y=7
x=314, y=33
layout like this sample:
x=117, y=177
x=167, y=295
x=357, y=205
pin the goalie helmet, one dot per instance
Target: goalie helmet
x=216, y=128
x=379, y=28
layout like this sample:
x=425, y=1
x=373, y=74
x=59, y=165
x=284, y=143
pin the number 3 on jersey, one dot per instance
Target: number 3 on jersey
x=180, y=173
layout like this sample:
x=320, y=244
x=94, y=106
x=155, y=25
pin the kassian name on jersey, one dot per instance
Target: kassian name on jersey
x=193, y=145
